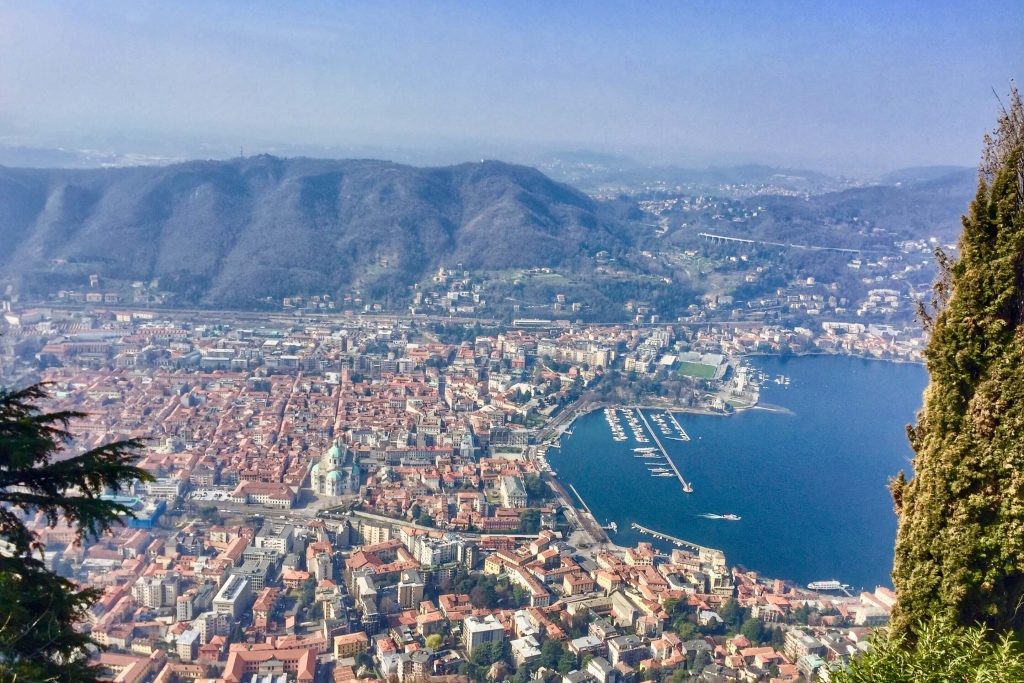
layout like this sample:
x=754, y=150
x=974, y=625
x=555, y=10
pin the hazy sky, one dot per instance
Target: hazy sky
x=834, y=85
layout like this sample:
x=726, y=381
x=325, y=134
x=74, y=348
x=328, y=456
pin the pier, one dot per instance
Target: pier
x=683, y=436
x=682, y=543
x=611, y=526
x=686, y=486
x=679, y=428
x=586, y=508
x=584, y=520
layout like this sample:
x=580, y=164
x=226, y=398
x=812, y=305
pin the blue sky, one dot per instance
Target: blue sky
x=853, y=85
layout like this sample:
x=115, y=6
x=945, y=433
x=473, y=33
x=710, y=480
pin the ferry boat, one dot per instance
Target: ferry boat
x=731, y=517
x=830, y=585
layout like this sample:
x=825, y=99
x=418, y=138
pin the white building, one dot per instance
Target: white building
x=232, y=597
x=479, y=630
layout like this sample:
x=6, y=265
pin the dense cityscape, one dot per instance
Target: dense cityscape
x=367, y=496
x=529, y=342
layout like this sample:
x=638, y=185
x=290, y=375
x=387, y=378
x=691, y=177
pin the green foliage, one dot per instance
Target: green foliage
x=755, y=631
x=529, y=521
x=550, y=654
x=536, y=490
x=686, y=630
x=732, y=615
x=486, y=591
x=567, y=662
x=936, y=652
x=364, y=660
x=522, y=674
x=307, y=593
x=960, y=539
x=455, y=333
x=38, y=641
x=433, y=641
x=486, y=654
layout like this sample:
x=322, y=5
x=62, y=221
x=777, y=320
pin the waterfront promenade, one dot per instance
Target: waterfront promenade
x=683, y=543
x=583, y=518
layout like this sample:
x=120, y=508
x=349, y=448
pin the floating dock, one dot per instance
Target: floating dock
x=683, y=436
x=686, y=486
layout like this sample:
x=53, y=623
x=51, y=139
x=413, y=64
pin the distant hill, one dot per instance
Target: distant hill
x=234, y=232
x=597, y=173
x=909, y=211
x=920, y=175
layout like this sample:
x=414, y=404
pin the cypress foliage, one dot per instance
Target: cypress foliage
x=960, y=545
x=41, y=613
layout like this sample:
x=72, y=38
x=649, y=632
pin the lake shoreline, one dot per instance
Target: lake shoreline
x=811, y=493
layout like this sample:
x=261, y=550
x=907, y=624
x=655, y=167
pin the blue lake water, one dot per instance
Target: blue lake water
x=810, y=484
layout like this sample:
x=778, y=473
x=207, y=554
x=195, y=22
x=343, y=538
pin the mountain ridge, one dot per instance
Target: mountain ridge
x=237, y=231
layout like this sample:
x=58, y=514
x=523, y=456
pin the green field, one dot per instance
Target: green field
x=698, y=370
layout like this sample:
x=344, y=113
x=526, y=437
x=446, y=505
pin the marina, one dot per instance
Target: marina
x=687, y=487
x=683, y=436
x=735, y=456
x=612, y=418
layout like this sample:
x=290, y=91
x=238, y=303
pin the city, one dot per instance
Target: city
x=511, y=342
x=350, y=496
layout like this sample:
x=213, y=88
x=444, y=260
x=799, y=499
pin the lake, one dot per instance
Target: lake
x=809, y=483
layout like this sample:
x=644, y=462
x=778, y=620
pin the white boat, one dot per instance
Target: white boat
x=830, y=585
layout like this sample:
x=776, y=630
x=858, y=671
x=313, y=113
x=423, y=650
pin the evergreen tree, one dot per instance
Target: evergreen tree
x=38, y=639
x=566, y=663
x=960, y=545
x=938, y=651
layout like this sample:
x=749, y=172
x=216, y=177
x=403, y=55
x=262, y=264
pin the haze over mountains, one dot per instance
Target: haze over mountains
x=233, y=232
x=244, y=232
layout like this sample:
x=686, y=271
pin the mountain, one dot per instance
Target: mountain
x=235, y=232
x=907, y=211
x=919, y=175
